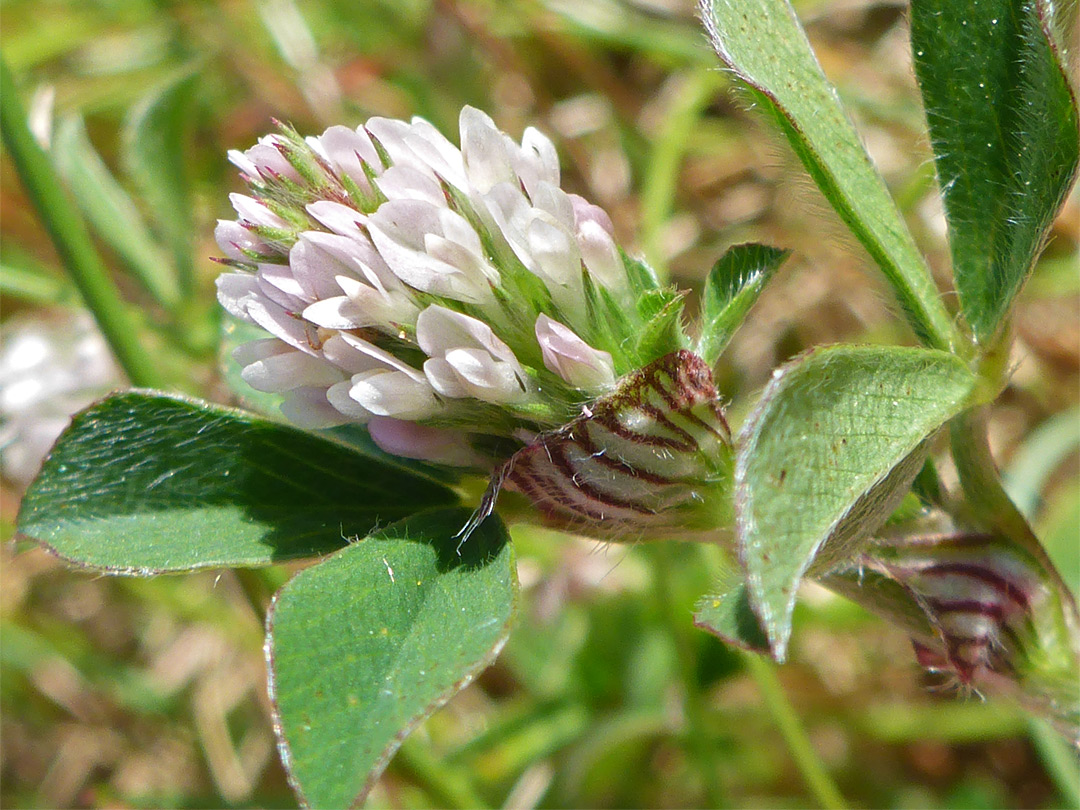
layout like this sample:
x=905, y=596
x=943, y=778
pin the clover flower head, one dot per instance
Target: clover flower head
x=454, y=300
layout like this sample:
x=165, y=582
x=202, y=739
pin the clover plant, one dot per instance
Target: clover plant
x=427, y=315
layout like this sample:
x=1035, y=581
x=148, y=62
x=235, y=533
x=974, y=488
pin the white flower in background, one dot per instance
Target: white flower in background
x=450, y=299
x=49, y=369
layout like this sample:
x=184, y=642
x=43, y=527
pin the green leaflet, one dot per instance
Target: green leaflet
x=732, y=287
x=831, y=448
x=366, y=644
x=142, y=482
x=1003, y=125
x=767, y=48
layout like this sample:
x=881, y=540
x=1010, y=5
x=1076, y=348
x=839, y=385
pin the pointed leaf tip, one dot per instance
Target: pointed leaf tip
x=834, y=443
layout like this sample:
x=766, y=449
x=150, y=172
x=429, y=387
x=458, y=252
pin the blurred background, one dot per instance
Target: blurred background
x=121, y=692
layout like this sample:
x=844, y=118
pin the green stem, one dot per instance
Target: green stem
x=448, y=786
x=72, y=241
x=698, y=741
x=802, y=751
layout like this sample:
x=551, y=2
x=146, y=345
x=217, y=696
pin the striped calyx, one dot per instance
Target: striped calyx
x=989, y=615
x=651, y=459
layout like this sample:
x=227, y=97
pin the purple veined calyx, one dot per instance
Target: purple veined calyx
x=641, y=459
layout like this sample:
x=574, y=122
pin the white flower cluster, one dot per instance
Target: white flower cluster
x=413, y=286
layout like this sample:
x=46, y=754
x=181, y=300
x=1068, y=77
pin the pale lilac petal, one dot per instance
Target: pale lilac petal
x=338, y=396
x=557, y=258
x=601, y=256
x=444, y=379
x=539, y=160
x=289, y=370
x=359, y=258
x=554, y=202
x=316, y=269
x=572, y=358
x=279, y=322
x=340, y=312
x=409, y=183
x=255, y=350
x=309, y=408
x=269, y=160
x=245, y=164
x=438, y=330
x=338, y=217
x=399, y=230
x=277, y=282
x=345, y=148
x=485, y=378
x=348, y=358
x=511, y=214
x=393, y=393
x=382, y=356
x=433, y=148
x=380, y=307
x=585, y=211
x=233, y=239
x=484, y=151
x=411, y=440
x=419, y=145
x=254, y=212
x=234, y=290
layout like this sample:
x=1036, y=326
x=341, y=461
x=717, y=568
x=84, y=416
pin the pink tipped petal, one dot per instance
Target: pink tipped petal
x=572, y=358
x=410, y=440
x=585, y=211
x=601, y=256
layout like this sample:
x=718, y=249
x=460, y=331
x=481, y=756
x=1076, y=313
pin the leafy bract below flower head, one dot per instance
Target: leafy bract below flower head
x=456, y=301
